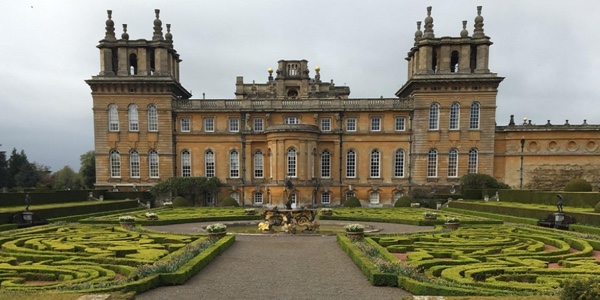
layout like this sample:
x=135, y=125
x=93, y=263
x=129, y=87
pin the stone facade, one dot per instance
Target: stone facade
x=329, y=146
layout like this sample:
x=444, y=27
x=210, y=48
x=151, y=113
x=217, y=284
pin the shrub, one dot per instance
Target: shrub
x=229, y=201
x=480, y=182
x=578, y=185
x=180, y=202
x=403, y=201
x=581, y=289
x=354, y=228
x=352, y=202
x=597, y=208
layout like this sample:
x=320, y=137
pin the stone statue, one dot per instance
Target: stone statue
x=559, y=204
x=27, y=201
x=289, y=187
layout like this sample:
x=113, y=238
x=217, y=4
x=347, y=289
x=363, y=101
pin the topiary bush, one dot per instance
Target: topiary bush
x=597, y=208
x=578, y=185
x=581, y=289
x=352, y=202
x=229, y=201
x=180, y=202
x=403, y=201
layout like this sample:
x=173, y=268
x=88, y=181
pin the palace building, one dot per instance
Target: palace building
x=440, y=126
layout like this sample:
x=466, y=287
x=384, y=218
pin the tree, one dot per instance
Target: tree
x=66, y=178
x=3, y=170
x=16, y=162
x=480, y=182
x=27, y=176
x=87, y=171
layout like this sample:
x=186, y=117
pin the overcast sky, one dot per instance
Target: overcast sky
x=547, y=50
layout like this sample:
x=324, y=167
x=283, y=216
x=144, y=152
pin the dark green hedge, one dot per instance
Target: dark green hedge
x=573, y=199
x=47, y=197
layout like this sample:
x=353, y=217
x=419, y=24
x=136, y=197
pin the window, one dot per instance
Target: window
x=432, y=158
x=351, y=124
x=349, y=194
x=184, y=124
x=472, y=164
x=454, y=115
x=292, y=120
x=153, y=163
x=325, y=164
x=291, y=162
x=325, y=198
x=209, y=163
x=400, y=123
x=474, y=120
x=209, y=198
x=234, y=124
x=351, y=164
x=376, y=124
x=186, y=164
x=235, y=196
x=399, y=163
x=209, y=125
x=258, y=125
x=259, y=164
x=374, y=198
x=434, y=113
x=326, y=124
x=375, y=156
x=115, y=164
x=134, y=123
x=234, y=164
x=258, y=198
x=152, y=118
x=113, y=118
x=134, y=164
x=453, y=163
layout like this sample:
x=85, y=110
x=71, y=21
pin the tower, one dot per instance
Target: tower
x=132, y=106
x=454, y=112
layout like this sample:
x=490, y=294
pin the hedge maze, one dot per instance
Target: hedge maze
x=484, y=260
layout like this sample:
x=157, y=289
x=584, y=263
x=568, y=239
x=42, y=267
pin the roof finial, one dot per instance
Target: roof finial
x=125, y=35
x=418, y=33
x=478, y=32
x=464, y=32
x=428, y=25
x=157, y=27
x=168, y=35
x=110, y=28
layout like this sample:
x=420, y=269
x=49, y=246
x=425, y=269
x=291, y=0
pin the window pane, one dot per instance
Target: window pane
x=351, y=124
x=291, y=162
x=473, y=158
x=134, y=164
x=152, y=118
x=234, y=164
x=433, y=116
x=351, y=164
x=234, y=124
x=258, y=125
x=258, y=164
x=453, y=163
x=374, y=164
x=326, y=124
x=374, y=198
x=209, y=125
x=209, y=158
x=454, y=115
x=399, y=163
x=432, y=163
x=375, y=124
x=258, y=198
x=325, y=164
x=474, y=120
x=113, y=118
x=115, y=163
x=133, y=118
x=185, y=124
x=186, y=164
x=325, y=198
x=153, y=163
x=400, y=123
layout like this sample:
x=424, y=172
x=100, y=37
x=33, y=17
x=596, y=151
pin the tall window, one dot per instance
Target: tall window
x=258, y=198
x=209, y=163
x=234, y=164
x=326, y=124
x=399, y=163
x=473, y=160
x=153, y=163
x=432, y=161
x=325, y=198
x=453, y=163
x=351, y=164
x=351, y=124
x=325, y=164
x=134, y=123
x=434, y=115
x=152, y=118
x=134, y=164
x=115, y=164
x=376, y=124
x=291, y=162
x=258, y=125
x=292, y=120
x=454, y=115
x=400, y=123
x=186, y=164
x=234, y=124
x=259, y=164
x=474, y=120
x=375, y=162
x=209, y=125
x=113, y=118
x=374, y=198
x=184, y=124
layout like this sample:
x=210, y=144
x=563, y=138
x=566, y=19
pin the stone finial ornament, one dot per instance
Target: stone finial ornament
x=464, y=32
x=157, y=36
x=418, y=33
x=478, y=32
x=125, y=35
x=428, y=25
x=110, y=28
x=168, y=35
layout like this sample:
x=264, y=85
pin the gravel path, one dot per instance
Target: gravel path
x=279, y=266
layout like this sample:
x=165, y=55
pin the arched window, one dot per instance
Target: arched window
x=134, y=164
x=474, y=120
x=132, y=64
x=234, y=164
x=115, y=164
x=153, y=163
x=259, y=165
x=351, y=164
x=152, y=118
x=113, y=118
x=291, y=162
x=432, y=161
x=454, y=61
x=186, y=164
x=134, y=124
x=454, y=115
x=375, y=164
x=374, y=198
x=453, y=163
x=473, y=161
x=434, y=114
x=399, y=163
x=325, y=164
x=209, y=163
